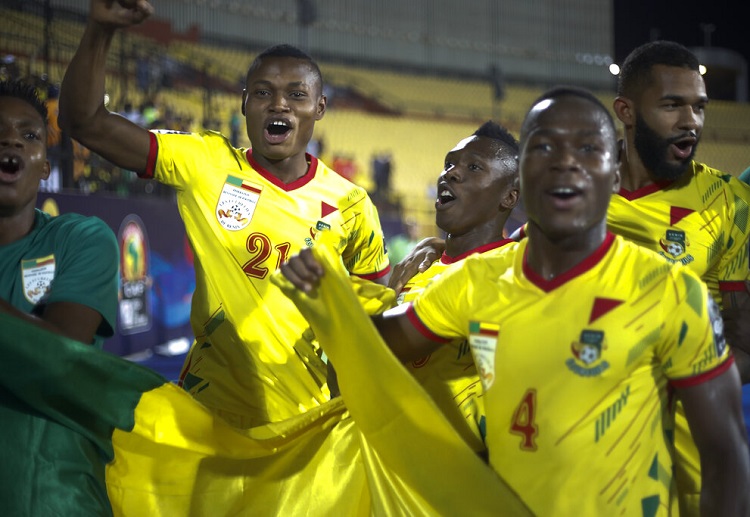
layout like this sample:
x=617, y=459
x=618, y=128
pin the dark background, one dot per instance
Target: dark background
x=639, y=21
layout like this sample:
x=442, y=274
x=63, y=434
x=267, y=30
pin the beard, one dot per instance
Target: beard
x=654, y=150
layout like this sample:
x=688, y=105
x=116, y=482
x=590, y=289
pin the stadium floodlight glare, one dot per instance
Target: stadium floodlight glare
x=614, y=69
x=702, y=69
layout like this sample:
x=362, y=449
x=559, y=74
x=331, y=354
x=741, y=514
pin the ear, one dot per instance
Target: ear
x=510, y=199
x=46, y=170
x=617, y=177
x=244, y=101
x=624, y=110
x=321, y=108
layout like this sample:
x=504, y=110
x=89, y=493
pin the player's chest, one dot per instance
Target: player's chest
x=681, y=234
x=577, y=335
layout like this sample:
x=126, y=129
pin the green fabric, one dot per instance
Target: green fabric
x=60, y=401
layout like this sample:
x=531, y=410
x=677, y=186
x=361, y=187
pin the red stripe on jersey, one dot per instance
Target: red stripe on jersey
x=577, y=270
x=732, y=286
x=421, y=327
x=375, y=276
x=153, y=150
x=644, y=191
x=251, y=188
x=447, y=259
x=703, y=377
x=299, y=182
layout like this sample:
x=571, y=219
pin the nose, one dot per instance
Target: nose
x=279, y=102
x=10, y=137
x=451, y=174
x=691, y=119
x=565, y=159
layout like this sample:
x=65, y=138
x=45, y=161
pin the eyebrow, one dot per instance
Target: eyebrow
x=293, y=84
x=681, y=98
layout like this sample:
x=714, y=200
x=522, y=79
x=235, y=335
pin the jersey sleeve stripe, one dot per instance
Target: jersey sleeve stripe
x=703, y=377
x=151, y=163
x=374, y=276
x=732, y=286
x=422, y=328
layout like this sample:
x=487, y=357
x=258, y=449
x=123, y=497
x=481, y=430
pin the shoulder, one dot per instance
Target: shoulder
x=81, y=230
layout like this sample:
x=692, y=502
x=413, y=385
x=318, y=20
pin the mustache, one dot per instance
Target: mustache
x=682, y=136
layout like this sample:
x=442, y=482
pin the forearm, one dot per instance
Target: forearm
x=83, y=87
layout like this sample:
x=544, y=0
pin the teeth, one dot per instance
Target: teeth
x=445, y=193
x=278, y=123
x=563, y=190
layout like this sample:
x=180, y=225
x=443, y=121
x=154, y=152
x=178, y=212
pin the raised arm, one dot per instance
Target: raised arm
x=714, y=413
x=82, y=110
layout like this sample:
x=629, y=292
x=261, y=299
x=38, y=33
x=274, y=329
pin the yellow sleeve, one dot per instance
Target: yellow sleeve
x=735, y=265
x=365, y=254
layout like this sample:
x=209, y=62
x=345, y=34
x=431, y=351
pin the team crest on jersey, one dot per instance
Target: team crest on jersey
x=674, y=247
x=587, y=354
x=483, y=343
x=237, y=203
x=37, y=275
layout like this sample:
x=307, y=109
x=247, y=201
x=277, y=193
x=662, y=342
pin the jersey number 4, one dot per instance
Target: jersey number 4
x=259, y=246
x=523, y=421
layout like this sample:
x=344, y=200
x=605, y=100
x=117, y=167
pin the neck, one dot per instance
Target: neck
x=633, y=174
x=550, y=257
x=16, y=226
x=286, y=170
x=456, y=245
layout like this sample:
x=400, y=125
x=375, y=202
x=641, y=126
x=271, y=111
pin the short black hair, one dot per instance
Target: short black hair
x=285, y=50
x=570, y=91
x=635, y=73
x=495, y=131
x=25, y=92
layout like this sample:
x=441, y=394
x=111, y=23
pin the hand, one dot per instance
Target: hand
x=418, y=260
x=303, y=271
x=119, y=13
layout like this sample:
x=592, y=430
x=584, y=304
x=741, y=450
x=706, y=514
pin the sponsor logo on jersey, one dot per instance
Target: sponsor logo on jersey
x=37, y=275
x=483, y=342
x=587, y=354
x=674, y=247
x=237, y=203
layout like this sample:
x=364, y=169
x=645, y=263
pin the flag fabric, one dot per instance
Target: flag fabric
x=387, y=451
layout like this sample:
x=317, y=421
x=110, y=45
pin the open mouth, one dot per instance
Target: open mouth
x=564, y=192
x=683, y=149
x=10, y=163
x=277, y=131
x=444, y=197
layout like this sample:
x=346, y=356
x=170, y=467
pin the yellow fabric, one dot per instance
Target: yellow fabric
x=397, y=456
x=431, y=469
x=577, y=368
x=254, y=360
x=449, y=374
x=700, y=221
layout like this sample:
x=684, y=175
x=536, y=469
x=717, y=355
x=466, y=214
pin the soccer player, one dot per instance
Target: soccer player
x=579, y=336
x=477, y=191
x=60, y=274
x=686, y=211
x=245, y=212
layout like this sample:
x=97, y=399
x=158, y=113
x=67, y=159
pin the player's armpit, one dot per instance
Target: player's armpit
x=714, y=412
